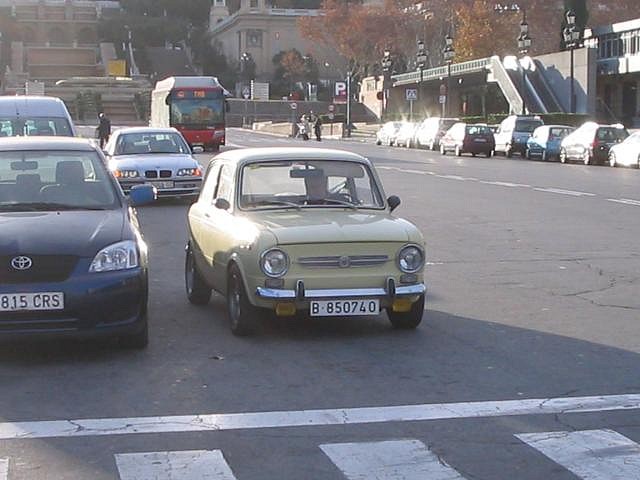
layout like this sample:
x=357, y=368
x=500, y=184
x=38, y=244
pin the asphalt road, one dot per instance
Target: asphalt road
x=532, y=325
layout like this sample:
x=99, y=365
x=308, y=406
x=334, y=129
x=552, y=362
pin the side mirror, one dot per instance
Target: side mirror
x=197, y=149
x=222, y=204
x=394, y=202
x=142, y=195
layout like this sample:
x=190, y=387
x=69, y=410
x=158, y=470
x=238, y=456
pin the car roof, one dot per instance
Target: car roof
x=121, y=131
x=45, y=143
x=31, y=105
x=247, y=155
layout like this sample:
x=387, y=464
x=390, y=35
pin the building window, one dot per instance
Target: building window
x=253, y=4
x=254, y=38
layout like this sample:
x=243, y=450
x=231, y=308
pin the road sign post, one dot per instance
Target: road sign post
x=294, y=123
x=411, y=95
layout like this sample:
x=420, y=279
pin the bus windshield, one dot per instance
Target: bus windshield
x=205, y=111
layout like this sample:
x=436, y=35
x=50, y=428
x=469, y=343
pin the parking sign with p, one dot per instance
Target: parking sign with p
x=340, y=92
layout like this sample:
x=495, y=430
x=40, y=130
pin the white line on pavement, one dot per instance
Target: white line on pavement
x=565, y=192
x=590, y=454
x=626, y=201
x=505, y=184
x=183, y=465
x=310, y=418
x=451, y=177
x=391, y=460
x=4, y=468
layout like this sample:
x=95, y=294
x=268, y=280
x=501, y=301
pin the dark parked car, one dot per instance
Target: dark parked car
x=465, y=138
x=591, y=143
x=73, y=261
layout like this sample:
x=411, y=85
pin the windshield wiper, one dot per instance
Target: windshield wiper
x=276, y=202
x=44, y=206
x=339, y=202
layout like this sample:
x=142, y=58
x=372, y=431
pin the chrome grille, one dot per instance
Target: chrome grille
x=343, y=261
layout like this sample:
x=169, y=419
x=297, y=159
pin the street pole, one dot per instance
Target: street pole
x=349, y=101
x=573, y=93
x=448, y=96
x=524, y=90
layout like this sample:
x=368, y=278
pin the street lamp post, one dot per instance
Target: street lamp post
x=524, y=44
x=448, y=53
x=387, y=67
x=571, y=36
x=421, y=62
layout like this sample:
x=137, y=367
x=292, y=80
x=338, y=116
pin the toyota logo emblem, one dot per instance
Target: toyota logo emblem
x=21, y=263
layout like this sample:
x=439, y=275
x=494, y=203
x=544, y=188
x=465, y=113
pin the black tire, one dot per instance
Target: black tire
x=138, y=340
x=410, y=319
x=443, y=151
x=458, y=151
x=508, y=152
x=489, y=154
x=527, y=154
x=612, y=160
x=563, y=156
x=198, y=292
x=543, y=155
x=586, y=158
x=241, y=313
x=378, y=142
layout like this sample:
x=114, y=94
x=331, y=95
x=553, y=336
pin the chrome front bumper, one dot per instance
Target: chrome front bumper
x=300, y=293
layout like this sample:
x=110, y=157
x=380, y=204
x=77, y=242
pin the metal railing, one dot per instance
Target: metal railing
x=472, y=66
x=509, y=90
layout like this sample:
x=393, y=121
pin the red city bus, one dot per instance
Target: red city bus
x=195, y=106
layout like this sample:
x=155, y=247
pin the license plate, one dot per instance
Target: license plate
x=27, y=302
x=162, y=185
x=480, y=140
x=344, y=308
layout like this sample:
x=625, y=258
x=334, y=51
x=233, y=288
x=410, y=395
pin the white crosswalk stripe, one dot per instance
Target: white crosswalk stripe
x=590, y=454
x=4, y=468
x=390, y=460
x=181, y=465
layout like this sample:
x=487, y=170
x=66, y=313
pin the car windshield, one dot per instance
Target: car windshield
x=204, y=112
x=151, y=142
x=527, y=126
x=38, y=126
x=611, y=134
x=308, y=183
x=447, y=124
x=558, y=133
x=54, y=180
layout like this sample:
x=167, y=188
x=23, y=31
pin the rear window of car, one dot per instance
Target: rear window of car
x=478, y=130
x=610, y=134
x=447, y=124
x=558, y=133
x=37, y=126
x=527, y=126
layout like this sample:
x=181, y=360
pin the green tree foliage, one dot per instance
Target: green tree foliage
x=293, y=70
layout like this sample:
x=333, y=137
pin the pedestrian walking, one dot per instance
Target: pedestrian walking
x=104, y=129
x=317, y=128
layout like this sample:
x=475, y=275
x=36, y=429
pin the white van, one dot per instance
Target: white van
x=31, y=115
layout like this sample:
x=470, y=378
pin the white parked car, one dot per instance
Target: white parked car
x=159, y=156
x=626, y=153
x=387, y=133
x=405, y=135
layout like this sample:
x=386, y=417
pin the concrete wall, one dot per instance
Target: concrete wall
x=558, y=74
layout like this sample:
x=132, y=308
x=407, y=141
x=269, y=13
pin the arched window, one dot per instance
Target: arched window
x=56, y=36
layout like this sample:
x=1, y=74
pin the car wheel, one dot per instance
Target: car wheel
x=563, y=155
x=473, y=155
x=378, y=142
x=612, y=159
x=458, y=151
x=527, y=154
x=489, y=154
x=442, y=150
x=138, y=340
x=432, y=146
x=198, y=292
x=586, y=158
x=508, y=152
x=543, y=155
x=410, y=319
x=239, y=309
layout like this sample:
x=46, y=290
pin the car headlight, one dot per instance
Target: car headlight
x=410, y=258
x=189, y=172
x=274, y=262
x=119, y=256
x=126, y=173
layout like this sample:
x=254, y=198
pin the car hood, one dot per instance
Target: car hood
x=336, y=226
x=154, y=161
x=79, y=233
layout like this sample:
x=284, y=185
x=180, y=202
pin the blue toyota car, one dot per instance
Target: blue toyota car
x=72, y=258
x=545, y=141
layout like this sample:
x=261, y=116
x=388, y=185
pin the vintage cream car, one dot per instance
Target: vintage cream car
x=302, y=230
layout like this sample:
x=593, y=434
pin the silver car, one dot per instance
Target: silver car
x=159, y=156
